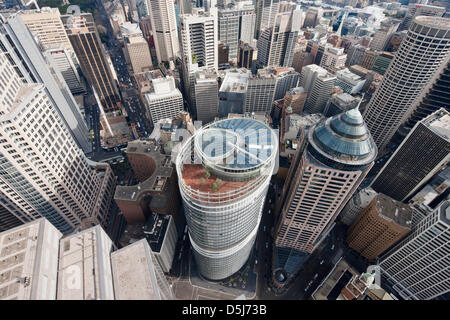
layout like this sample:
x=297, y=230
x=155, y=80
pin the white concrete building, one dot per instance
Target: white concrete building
x=29, y=261
x=164, y=27
x=137, y=274
x=349, y=82
x=84, y=269
x=409, y=73
x=333, y=59
x=43, y=171
x=417, y=267
x=165, y=101
x=319, y=83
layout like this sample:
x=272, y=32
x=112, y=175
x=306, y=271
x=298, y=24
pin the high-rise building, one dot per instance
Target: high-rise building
x=302, y=59
x=199, y=46
x=318, y=83
x=407, y=77
x=355, y=54
x=232, y=92
x=349, y=82
x=30, y=65
x=260, y=92
x=84, y=266
x=382, y=223
x=62, y=60
x=416, y=10
x=85, y=40
x=206, y=90
x=137, y=274
x=312, y=17
x=332, y=159
x=424, y=151
x=247, y=56
x=247, y=21
x=368, y=59
x=136, y=49
x=383, y=35
x=266, y=11
x=355, y=206
x=164, y=26
x=29, y=265
x=434, y=98
x=47, y=26
x=338, y=103
x=228, y=25
x=276, y=42
x=382, y=62
x=417, y=267
x=295, y=98
x=43, y=173
x=333, y=59
x=165, y=101
x=199, y=37
x=224, y=172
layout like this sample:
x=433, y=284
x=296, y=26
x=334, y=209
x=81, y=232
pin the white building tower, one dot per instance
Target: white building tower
x=224, y=172
x=164, y=26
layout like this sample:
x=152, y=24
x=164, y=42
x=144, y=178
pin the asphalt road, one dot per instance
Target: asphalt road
x=127, y=86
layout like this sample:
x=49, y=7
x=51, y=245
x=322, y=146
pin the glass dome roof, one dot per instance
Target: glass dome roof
x=345, y=137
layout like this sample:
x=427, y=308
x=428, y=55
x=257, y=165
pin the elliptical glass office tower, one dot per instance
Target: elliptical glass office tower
x=224, y=172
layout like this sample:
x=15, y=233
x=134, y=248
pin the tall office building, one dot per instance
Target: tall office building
x=276, y=42
x=164, y=26
x=381, y=224
x=434, y=98
x=62, y=60
x=199, y=37
x=416, y=10
x=224, y=172
x=266, y=10
x=332, y=159
x=29, y=265
x=355, y=206
x=84, y=266
x=383, y=35
x=228, y=25
x=417, y=267
x=355, y=54
x=312, y=17
x=47, y=26
x=382, y=62
x=295, y=98
x=247, y=56
x=232, y=92
x=43, y=171
x=17, y=43
x=368, y=59
x=333, y=59
x=410, y=71
x=206, y=90
x=165, y=101
x=424, y=151
x=260, y=93
x=338, y=103
x=137, y=274
x=199, y=46
x=86, y=42
x=301, y=59
x=318, y=83
x=136, y=49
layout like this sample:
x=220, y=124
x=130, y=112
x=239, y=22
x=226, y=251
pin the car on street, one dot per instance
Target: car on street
x=332, y=247
x=316, y=275
x=267, y=245
x=322, y=261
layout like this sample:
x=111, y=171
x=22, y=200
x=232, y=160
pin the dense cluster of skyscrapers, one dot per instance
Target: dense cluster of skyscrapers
x=346, y=104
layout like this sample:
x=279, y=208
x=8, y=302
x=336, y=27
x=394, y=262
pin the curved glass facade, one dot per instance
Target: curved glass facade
x=224, y=172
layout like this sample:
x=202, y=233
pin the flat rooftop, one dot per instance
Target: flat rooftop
x=156, y=182
x=439, y=122
x=155, y=230
x=134, y=273
x=394, y=210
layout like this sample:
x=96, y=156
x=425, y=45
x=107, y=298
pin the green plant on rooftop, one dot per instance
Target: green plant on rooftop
x=207, y=174
x=219, y=182
x=214, y=186
x=202, y=181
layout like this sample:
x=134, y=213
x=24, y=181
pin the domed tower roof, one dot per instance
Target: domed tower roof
x=344, y=139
